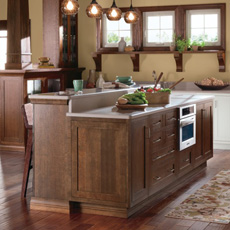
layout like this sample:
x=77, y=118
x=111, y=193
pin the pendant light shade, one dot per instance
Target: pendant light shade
x=94, y=10
x=131, y=16
x=114, y=13
x=70, y=7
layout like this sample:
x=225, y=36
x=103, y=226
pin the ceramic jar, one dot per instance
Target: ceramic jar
x=121, y=45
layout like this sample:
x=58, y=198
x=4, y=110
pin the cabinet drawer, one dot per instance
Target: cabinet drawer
x=157, y=155
x=171, y=133
x=165, y=169
x=171, y=118
x=156, y=121
x=185, y=159
x=157, y=140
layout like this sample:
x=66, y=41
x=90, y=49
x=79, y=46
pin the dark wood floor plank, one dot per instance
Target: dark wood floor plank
x=16, y=215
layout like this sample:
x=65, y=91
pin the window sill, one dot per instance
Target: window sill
x=177, y=56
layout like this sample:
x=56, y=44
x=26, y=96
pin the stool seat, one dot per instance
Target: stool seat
x=27, y=111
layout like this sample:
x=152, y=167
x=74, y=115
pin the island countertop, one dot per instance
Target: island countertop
x=114, y=112
x=97, y=103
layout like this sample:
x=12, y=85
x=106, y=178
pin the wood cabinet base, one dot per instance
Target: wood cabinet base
x=74, y=207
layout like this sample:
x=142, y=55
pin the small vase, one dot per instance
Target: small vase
x=121, y=45
x=92, y=79
x=100, y=81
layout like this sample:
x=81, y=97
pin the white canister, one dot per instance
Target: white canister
x=100, y=81
x=121, y=45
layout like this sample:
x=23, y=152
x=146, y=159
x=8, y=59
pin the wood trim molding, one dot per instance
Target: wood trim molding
x=3, y=24
x=180, y=28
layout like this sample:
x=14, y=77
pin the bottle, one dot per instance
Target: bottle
x=92, y=79
x=121, y=45
x=100, y=81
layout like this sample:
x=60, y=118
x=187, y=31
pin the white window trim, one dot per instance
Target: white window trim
x=189, y=13
x=104, y=34
x=155, y=13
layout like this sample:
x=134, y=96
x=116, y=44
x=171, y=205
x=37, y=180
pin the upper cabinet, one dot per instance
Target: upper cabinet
x=60, y=35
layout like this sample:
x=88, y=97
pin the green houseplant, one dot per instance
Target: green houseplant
x=181, y=44
x=196, y=43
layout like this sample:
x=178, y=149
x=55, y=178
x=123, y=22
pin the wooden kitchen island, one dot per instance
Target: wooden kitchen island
x=93, y=158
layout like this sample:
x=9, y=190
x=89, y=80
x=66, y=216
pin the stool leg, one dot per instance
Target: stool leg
x=27, y=165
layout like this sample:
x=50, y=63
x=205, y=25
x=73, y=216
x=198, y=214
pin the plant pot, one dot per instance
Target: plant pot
x=172, y=48
x=195, y=48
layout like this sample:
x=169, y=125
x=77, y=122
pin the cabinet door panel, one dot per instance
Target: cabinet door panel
x=139, y=162
x=198, y=153
x=208, y=130
x=97, y=173
x=221, y=121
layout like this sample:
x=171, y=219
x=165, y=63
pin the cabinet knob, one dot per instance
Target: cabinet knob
x=157, y=178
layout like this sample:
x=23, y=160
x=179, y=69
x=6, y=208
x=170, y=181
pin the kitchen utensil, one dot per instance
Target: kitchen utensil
x=211, y=87
x=172, y=86
x=158, y=80
x=154, y=75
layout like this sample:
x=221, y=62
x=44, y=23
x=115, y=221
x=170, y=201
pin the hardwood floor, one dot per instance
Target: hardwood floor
x=15, y=213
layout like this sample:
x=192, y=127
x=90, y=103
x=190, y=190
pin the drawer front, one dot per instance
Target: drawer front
x=185, y=159
x=157, y=140
x=163, y=171
x=156, y=121
x=171, y=134
x=157, y=155
x=171, y=118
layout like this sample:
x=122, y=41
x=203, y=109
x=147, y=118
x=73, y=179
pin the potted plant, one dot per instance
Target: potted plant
x=181, y=44
x=196, y=43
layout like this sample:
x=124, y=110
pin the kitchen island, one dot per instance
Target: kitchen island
x=94, y=158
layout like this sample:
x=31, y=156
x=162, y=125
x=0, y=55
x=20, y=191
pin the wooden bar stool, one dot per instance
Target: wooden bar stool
x=27, y=111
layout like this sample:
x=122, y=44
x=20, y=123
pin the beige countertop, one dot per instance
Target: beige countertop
x=115, y=113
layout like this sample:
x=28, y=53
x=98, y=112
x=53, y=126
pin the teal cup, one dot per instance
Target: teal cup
x=78, y=85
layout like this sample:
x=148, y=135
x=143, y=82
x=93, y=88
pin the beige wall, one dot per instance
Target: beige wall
x=196, y=66
x=35, y=8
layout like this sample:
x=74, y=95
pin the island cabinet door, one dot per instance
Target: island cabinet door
x=207, y=130
x=198, y=156
x=140, y=134
x=100, y=162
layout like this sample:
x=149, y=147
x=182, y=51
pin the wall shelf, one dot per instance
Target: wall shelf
x=135, y=58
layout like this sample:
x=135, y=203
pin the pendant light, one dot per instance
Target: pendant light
x=70, y=7
x=114, y=13
x=131, y=16
x=94, y=10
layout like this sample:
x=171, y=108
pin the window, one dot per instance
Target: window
x=159, y=28
x=114, y=30
x=204, y=25
x=3, y=48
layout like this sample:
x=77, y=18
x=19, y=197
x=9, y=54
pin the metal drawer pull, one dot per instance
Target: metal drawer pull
x=171, y=170
x=157, y=178
x=172, y=119
x=187, y=160
x=158, y=140
x=171, y=135
x=157, y=123
x=173, y=150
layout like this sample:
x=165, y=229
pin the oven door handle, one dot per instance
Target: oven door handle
x=183, y=124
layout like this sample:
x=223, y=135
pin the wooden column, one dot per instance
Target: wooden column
x=18, y=38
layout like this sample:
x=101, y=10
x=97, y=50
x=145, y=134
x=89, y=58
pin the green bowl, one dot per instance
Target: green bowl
x=124, y=79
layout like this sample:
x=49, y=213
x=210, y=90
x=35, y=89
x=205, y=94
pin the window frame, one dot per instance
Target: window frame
x=180, y=26
x=156, y=13
x=203, y=12
x=113, y=45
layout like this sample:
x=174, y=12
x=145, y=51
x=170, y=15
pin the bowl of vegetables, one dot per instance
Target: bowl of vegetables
x=156, y=95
